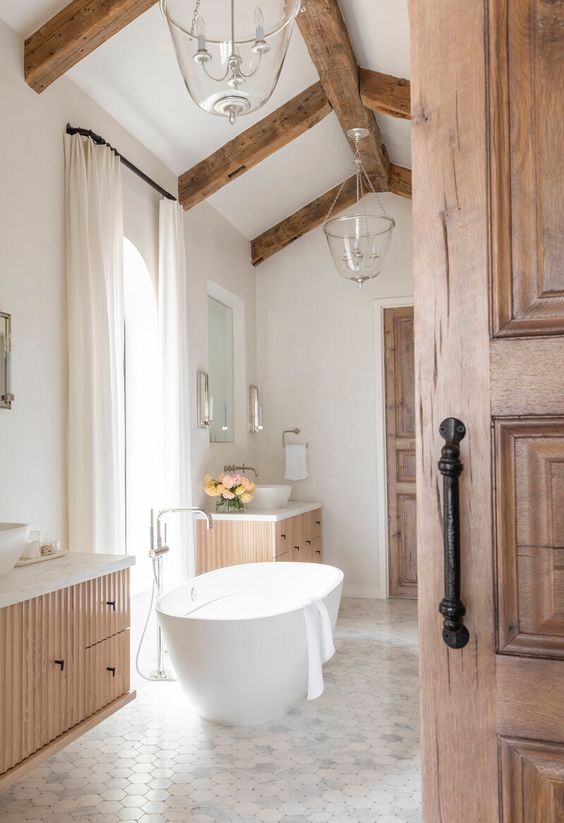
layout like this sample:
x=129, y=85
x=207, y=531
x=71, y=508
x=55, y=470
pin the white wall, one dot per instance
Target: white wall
x=218, y=253
x=317, y=370
x=32, y=279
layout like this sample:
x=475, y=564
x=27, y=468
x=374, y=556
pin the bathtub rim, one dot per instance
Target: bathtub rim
x=161, y=611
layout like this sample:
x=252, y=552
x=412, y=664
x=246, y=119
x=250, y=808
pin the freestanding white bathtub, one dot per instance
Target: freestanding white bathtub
x=237, y=638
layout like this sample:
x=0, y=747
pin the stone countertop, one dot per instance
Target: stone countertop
x=291, y=509
x=26, y=582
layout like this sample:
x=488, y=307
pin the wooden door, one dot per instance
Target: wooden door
x=488, y=202
x=400, y=451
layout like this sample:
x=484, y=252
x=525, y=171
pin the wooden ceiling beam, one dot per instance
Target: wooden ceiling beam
x=385, y=94
x=74, y=32
x=323, y=29
x=253, y=145
x=315, y=213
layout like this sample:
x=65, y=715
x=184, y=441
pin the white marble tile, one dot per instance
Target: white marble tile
x=350, y=757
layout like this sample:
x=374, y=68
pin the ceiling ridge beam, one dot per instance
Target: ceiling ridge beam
x=77, y=30
x=253, y=145
x=385, y=93
x=315, y=213
x=323, y=29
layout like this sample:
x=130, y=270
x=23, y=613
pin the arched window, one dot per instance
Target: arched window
x=141, y=333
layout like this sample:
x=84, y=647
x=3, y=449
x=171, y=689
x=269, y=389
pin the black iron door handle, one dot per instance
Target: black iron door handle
x=455, y=633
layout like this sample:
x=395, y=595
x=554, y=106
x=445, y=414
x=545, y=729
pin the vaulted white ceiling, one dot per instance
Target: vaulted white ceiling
x=134, y=76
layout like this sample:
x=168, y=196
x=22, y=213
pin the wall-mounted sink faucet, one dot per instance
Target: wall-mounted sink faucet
x=242, y=468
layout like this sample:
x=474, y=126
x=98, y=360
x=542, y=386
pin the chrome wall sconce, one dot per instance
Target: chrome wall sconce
x=6, y=395
x=204, y=401
x=255, y=410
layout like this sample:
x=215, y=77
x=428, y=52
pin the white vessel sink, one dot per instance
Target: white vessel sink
x=271, y=497
x=13, y=539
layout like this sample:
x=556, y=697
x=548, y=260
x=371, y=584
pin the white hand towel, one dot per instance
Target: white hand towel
x=320, y=646
x=296, y=462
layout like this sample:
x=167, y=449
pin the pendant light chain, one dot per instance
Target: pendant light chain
x=195, y=16
x=334, y=203
x=361, y=178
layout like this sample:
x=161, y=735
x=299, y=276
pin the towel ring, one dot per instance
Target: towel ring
x=290, y=431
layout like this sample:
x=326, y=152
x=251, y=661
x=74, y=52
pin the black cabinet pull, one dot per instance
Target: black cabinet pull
x=297, y=548
x=455, y=633
x=111, y=603
x=318, y=522
x=111, y=669
x=308, y=542
x=60, y=663
x=283, y=536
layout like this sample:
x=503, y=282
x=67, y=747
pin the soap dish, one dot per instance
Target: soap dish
x=31, y=560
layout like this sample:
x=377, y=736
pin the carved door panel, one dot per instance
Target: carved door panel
x=488, y=183
x=400, y=451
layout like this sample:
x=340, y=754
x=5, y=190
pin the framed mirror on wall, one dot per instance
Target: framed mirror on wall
x=6, y=396
x=221, y=372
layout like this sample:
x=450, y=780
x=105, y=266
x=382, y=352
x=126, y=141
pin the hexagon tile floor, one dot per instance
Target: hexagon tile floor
x=352, y=755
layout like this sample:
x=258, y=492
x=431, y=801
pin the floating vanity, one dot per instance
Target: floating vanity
x=291, y=533
x=64, y=654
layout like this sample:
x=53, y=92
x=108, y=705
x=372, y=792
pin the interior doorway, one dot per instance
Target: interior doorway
x=399, y=373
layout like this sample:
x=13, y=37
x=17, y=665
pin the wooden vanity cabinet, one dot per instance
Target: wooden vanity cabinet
x=233, y=541
x=64, y=666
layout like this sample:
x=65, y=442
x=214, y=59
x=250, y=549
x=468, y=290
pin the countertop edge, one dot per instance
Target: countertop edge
x=293, y=509
x=82, y=571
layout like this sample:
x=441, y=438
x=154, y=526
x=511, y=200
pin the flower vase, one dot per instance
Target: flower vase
x=223, y=506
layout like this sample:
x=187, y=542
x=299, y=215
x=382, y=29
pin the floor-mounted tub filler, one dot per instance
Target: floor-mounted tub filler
x=247, y=642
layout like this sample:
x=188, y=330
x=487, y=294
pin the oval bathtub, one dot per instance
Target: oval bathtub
x=237, y=639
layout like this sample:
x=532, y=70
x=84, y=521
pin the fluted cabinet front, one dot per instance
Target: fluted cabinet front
x=63, y=656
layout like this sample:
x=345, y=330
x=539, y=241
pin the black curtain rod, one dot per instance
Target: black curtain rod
x=101, y=142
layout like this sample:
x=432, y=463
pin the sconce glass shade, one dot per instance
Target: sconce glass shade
x=359, y=244
x=230, y=52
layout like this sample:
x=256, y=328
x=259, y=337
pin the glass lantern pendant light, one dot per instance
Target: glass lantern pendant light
x=359, y=242
x=230, y=66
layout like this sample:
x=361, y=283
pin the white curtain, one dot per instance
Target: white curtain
x=173, y=387
x=94, y=252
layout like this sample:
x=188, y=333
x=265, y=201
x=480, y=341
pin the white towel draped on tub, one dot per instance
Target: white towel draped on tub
x=296, y=461
x=320, y=647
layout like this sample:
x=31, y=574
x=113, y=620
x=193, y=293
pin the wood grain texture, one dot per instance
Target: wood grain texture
x=530, y=535
x=400, y=181
x=231, y=542
x=301, y=222
x=533, y=781
x=326, y=36
x=385, y=93
x=400, y=440
x=527, y=166
x=530, y=698
x=106, y=606
x=78, y=29
x=315, y=213
x=450, y=217
x=44, y=675
x=107, y=671
x=534, y=366
x=253, y=145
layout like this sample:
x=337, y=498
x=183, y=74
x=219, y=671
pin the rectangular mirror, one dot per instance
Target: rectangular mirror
x=221, y=377
x=6, y=396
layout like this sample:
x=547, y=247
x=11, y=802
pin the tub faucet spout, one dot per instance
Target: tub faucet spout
x=156, y=552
